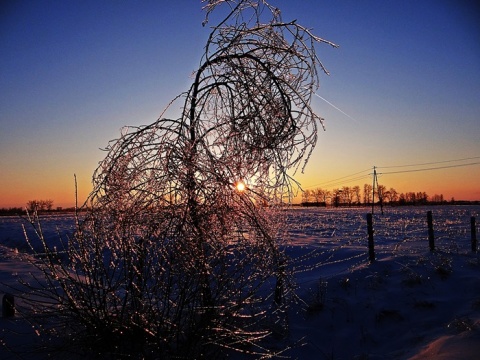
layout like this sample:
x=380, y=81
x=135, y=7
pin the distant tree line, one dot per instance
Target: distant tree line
x=355, y=196
x=41, y=206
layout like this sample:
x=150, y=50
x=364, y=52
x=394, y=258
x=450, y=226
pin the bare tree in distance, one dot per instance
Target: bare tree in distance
x=356, y=191
x=341, y=196
x=40, y=205
x=367, y=193
x=180, y=252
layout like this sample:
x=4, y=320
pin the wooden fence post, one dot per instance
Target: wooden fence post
x=473, y=230
x=431, y=237
x=371, y=246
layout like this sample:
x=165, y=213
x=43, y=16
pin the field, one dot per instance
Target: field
x=410, y=303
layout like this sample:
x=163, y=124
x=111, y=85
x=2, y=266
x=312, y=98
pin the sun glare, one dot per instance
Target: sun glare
x=240, y=186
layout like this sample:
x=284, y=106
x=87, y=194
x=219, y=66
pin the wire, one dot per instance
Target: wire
x=429, y=163
x=350, y=178
x=427, y=169
x=328, y=183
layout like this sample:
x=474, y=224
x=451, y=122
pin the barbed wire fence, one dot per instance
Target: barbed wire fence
x=339, y=237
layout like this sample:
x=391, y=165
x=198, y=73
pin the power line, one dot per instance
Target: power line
x=427, y=169
x=328, y=183
x=352, y=177
x=340, y=183
x=349, y=180
x=429, y=163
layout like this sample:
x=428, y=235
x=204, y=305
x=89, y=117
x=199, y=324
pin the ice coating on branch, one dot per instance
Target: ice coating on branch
x=170, y=255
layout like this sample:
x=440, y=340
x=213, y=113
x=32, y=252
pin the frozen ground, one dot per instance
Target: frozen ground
x=410, y=303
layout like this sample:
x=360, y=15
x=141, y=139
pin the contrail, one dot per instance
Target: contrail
x=329, y=103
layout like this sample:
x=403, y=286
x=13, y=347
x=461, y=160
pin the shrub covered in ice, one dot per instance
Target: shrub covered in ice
x=173, y=257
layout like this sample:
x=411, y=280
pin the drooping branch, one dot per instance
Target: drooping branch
x=256, y=80
x=170, y=247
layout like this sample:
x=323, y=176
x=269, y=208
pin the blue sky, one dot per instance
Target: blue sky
x=72, y=73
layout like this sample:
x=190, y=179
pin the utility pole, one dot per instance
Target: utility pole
x=373, y=187
x=375, y=183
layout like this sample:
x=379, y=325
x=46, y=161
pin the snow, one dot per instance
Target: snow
x=410, y=303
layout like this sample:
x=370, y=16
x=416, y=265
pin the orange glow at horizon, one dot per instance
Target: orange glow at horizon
x=16, y=192
x=457, y=183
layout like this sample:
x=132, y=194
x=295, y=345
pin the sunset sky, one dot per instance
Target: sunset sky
x=404, y=85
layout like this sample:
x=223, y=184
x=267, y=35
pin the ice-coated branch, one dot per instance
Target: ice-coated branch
x=172, y=258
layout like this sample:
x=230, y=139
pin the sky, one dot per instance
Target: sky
x=403, y=89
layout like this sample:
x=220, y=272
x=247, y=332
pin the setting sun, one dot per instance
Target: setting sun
x=240, y=186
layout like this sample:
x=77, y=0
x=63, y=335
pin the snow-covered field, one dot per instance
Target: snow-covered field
x=410, y=303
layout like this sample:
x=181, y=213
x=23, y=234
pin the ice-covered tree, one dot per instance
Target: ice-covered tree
x=180, y=252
